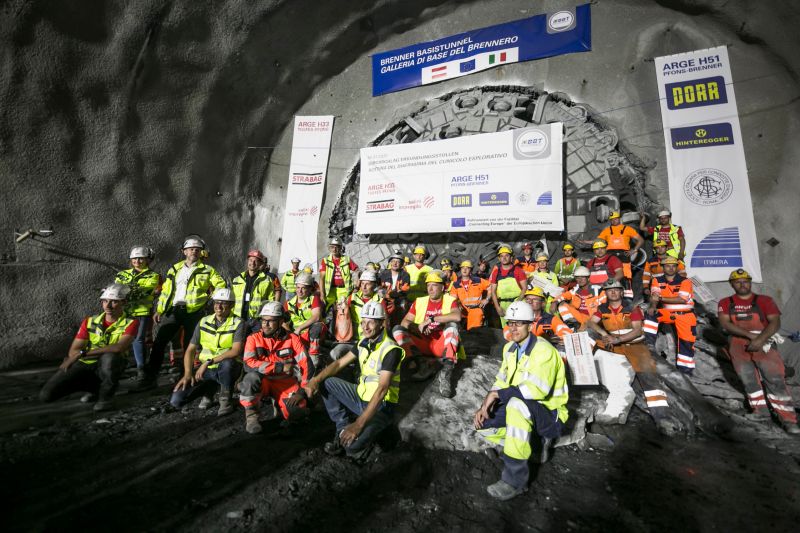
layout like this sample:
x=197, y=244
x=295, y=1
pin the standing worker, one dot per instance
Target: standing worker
x=395, y=283
x=417, y=272
x=652, y=268
x=527, y=261
x=287, y=280
x=565, y=266
x=529, y=394
x=508, y=283
x=543, y=273
x=335, y=274
x=181, y=303
x=603, y=266
x=619, y=237
x=473, y=294
x=252, y=288
x=143, y=285
x=449, y=276
x=752, y=320
x=665, y=231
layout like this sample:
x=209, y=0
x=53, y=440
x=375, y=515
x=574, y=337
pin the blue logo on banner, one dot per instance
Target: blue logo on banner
x=696, y=93
x=493, y=198
x=458, y=222
x=702, y=136
x=467, y=66
x=721, y=248
x=545, y=199
x=460, y=200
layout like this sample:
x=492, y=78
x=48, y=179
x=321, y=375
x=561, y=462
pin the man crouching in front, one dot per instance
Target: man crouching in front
x=529, y=393
x=372, y=402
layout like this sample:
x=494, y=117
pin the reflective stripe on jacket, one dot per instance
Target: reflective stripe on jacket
x=143, y=286
x=262, y=290
x=370, y=362
x=203, y=278
x=99, y=337
x=216, y=340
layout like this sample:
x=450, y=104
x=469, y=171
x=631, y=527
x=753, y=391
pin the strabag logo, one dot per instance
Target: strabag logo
x=380, y=206
x=707, y=186
x=561, y=21
x=702, y=136
x=299, y=178
x=531, y=143
x=696, y=93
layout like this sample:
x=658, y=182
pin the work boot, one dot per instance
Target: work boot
x=103, y=405
x=88, y=398
x=205, y=403
x=547, y=448
x=334, y=447
x=790, y=428
x=225, y=403
x=446, y=388
x=368, y=453
x=503, y=491
x=424, y=371
x=251, y=423
x=140, y=374
x=668, y=426
x=146, y=383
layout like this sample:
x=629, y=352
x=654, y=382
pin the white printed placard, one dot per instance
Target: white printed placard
x=580, y=359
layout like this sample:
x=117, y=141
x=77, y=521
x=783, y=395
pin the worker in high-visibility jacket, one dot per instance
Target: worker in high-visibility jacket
x=551, y=327
x=527, y=261
x=252, y=288
x=336, y=272
x=577, y=305
x=98, y=354
x=395, y=284
x=603, y=266
x=665, y=231
x=472, y=293
x=287, y=280
x=366, y=292
x=361, y=411
x=449, y=276
x=306, y=312
x=623, y=242
x=543, y=273
x=143, y=284
x=672, y=305
x=529, y=397
x=181, y=303
x=566, y=265
x=753, y=320
x=416, y=273
x=274, y=359
x=619, y=326
x=432, y=325
x=652, y=268
x=508, y=282
x=217, y=341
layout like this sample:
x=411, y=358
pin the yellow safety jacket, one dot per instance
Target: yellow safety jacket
x=299, y=311
x=417, y=280
x=356, y=303
x=344, y=268
x=507, y=285
x=99, y=337
x=674, y=240
x=203, y=278
x=422, y=306
x=566, y=272
x=539, y=374
x=216, y=340
x=261, y=291
x=143, y=286
x=287, y=281
x=370, y=363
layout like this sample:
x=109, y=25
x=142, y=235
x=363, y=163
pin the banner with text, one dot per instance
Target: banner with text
x=546, y=35
x=308, y=167
x=507, y=181
x=708, y=185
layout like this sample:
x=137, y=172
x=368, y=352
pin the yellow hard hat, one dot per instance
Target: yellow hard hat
x=739, y=273
x=435, y=276
x=446, y=261
x=660, y=242
x=599, y=243
x=669, y=260
x=535, y=291
x=504, y=250
x=567, y=246
x=419, y=250
x=542, y=257
x=465, y=263
x=613, y=215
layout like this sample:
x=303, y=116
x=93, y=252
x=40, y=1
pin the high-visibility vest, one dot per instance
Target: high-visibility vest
x=356, y=303
x=598, y=270
x=507, y=285
x=215, y=340
x=142, y=285
x=203, y=278
x=300, y=312
x=618, y=323
x=470, y=295
x=287, y=281
x=370, y=360
x=344, y=268
x=417, y=279
x=528, y=265
x=421, y=306
x=262, y=290
x=564, y=271
x=99, y=336
x=674, y=240
x=679, y=287
x=539, y=374
x=618, y=242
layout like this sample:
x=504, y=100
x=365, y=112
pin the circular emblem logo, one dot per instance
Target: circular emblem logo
x=707, y=186
x=560, y=21
x=532, y=143
x=700, y=133
x=524, y=198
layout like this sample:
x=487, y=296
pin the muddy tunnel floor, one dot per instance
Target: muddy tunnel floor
x=147, y=467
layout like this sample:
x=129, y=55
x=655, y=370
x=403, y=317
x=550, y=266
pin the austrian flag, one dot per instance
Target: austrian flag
x=468, y=65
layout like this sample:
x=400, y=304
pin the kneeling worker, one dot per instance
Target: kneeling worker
x=220, y=338
x=372, y=402
x=529, y=393
x=97, y=357
x=270, y=358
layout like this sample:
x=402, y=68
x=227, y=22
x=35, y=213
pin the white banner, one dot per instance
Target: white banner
x=708, y=186
x=507, y=181
x=311, y=146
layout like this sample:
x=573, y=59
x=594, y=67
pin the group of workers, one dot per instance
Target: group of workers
x=265, y=337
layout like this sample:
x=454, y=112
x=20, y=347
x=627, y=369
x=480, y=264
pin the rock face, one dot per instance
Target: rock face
x=140, y=122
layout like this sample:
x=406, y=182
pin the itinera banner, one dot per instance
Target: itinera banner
x=708, y=186
x=311, y=146
x=546, y=35
x=507, y=181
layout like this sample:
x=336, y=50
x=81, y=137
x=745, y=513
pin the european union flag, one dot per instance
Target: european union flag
x=466, y=66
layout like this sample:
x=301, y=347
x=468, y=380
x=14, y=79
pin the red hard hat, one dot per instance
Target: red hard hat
x=256, y=253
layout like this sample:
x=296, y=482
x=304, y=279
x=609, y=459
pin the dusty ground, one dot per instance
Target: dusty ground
x=148, y=467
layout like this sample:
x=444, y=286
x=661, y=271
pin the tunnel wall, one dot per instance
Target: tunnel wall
x=140, y=122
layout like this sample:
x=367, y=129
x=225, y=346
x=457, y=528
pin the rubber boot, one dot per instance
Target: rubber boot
x=225, y=403
x=252, y=425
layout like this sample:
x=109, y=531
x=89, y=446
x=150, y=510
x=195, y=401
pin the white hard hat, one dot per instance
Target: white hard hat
x=271, y=309
x=304, y=279
x=368, y=275
x=138, y=252
x=115, y=291
x=582, y=271
x=295, y=260
x=336, y=241
x=193, y=243
x=373, y=310
x=223, y=295
x=664, y=213
x=612, y=284
x=519, y=311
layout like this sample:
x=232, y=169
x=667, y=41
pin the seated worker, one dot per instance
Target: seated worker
x=603, y=266
x=565, y=266
x=483, y=271
x=752, y=319
x=577, y=305
x=449, y=276
x=432, y=326
x=665, y=231
x=619, y=327
x=220, y=339
x=652, y=268
x=287, y=280
x=472, y=293
x=355, y=302
x=529, y=395
x=417, y=272
x=395, y=283
x=672, y=305
x=508, y=282
x=335, y=274
x=305, y=312
x=619, y=237
x=527, y=261
x=252, y=288
x=361, y=411
x=551, y=327
x=98, y=354
x=543, y=273
x=273, y=360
